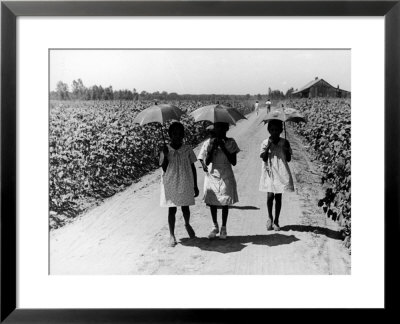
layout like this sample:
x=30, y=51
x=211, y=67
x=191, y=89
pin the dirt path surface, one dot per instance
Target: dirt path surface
x=128, y=233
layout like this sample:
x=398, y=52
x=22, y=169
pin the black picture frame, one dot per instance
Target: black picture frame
x=10, y=10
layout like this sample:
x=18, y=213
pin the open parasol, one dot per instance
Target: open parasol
x=284, y=115
x=217, y=113
x=158, y=114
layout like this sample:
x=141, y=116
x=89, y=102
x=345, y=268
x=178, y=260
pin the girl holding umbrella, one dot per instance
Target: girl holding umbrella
x=220, y=188
x=276, y=153
x=276, y=177
x=179, y=178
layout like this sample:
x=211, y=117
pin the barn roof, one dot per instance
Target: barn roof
x=311, y=83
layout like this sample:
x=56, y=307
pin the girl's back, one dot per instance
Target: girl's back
x=178, y=181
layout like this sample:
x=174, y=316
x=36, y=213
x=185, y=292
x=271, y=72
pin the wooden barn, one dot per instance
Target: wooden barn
x=321, y=88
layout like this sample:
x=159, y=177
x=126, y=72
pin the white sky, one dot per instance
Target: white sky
x=201, y=71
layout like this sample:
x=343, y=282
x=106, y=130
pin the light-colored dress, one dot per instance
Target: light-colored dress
x=220, y=187
x=275, y=173
x=177, y=182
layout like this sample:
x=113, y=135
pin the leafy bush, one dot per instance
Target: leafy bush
x=328, y=131
x=96, y=151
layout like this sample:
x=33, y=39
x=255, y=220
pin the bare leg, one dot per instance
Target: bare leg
x=171, y=224
x=278, y=205
x=213, y=210
x=270, y=203
x=215, y=230
x=186, y=217
x=186, y=214
x=171, y=220
x=225, y=211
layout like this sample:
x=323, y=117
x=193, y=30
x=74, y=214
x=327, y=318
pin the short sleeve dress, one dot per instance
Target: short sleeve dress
x=275, y=173
x=220, y=187
x=177, y=182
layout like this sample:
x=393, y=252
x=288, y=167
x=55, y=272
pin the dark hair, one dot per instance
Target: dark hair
x=275, y=122
x=175, y=126
x=224, y=126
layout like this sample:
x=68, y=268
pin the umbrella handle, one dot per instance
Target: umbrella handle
x=284, y=127
x=162, y=133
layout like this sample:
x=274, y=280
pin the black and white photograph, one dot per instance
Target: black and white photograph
x=199, y=161
x=190, y=161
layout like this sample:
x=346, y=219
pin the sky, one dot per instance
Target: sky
x=212, y=71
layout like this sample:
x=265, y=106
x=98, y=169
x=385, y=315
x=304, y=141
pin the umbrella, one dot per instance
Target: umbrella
x=158, y=114
x=217, y=113
x=284, y=115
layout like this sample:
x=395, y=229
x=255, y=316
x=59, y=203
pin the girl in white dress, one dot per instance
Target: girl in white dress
x=179, y=179
x=219, y=183
x=276, y=177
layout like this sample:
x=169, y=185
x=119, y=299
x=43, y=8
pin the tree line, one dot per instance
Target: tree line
x=96, y=92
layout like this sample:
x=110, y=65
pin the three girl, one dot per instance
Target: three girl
x=217, y=156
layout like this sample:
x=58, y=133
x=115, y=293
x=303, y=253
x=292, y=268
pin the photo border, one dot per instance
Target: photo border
x=11, y=10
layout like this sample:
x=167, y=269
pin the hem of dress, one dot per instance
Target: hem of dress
x=220, y=204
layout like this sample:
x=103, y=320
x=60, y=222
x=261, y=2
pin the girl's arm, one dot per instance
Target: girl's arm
x=203, y=165
x=210, y=151
x=231, y=156
x=264, y=154
x=164, y=163
x=196, y=189
x=287, y=151
x=208, y=158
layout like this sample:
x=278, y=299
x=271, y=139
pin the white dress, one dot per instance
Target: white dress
x=275, y=173
x=177, y=183
x=220, y=187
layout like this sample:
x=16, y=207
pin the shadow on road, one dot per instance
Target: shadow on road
x=241, y=207
x=314, y=229
x=244, y=207
x=238, y=243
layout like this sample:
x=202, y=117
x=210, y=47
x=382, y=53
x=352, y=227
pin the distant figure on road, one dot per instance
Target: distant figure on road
x=179, y=179
x=276, y=177
x=220, y=189
x=256, y=107
x=268, y=104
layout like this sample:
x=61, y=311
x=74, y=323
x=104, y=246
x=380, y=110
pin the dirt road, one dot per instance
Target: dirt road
x=128, y=233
